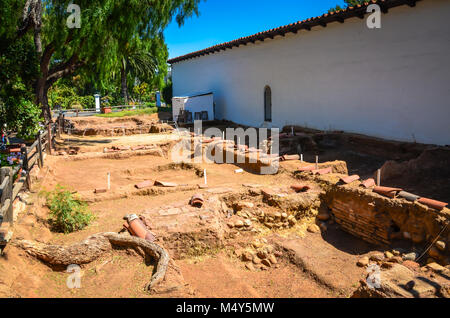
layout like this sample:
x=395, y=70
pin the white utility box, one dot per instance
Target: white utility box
x=194, y=104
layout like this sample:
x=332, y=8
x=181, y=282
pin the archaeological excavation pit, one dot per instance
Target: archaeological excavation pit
x=295, y=233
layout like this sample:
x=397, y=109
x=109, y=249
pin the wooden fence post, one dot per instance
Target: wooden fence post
x=39, y=151
x=58, y=121
x=7, y=193
x=24, y=152
x=49, y=138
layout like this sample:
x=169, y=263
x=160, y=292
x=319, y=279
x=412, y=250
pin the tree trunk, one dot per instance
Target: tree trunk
x=123, y=74
x=42, y=99
x=94, y=247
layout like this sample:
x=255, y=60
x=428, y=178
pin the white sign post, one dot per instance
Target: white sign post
x=97, y=103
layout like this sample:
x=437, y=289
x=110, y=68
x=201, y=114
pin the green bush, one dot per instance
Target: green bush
x=67, y=213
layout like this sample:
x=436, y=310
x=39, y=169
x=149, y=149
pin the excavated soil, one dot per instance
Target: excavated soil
x=207, y=245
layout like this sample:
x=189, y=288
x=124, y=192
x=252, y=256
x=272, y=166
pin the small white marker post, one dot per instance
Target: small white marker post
x=223, y=135
x=292, y=130
x=109, y=180
x=301, y=157
x=317, y=162
x=204, y=174
x=379, y=177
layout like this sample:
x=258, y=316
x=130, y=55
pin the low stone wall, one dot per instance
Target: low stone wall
x=381, y=220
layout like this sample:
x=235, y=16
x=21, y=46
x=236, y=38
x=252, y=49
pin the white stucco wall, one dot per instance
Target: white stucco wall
x=392, y=82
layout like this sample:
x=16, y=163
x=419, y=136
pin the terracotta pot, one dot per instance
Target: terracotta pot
x=438, y=205
x=386, y=191
x=369, y=183
x=300, y=187
x=350, y=179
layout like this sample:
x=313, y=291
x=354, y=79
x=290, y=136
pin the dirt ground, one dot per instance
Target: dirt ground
x=310, y=264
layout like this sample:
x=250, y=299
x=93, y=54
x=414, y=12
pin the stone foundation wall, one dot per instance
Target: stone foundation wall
x=381, y=220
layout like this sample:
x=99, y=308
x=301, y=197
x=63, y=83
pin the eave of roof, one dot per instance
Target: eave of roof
x=338, y=16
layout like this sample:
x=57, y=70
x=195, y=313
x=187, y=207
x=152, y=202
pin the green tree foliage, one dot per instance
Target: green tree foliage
x=18, y=70
x=107, y=26
x=348, y=3
x=65, y=95
x=167, y=92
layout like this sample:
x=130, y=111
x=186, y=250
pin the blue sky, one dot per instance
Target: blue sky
x=225, y=20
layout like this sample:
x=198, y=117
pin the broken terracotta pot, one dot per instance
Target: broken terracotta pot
x=300, y=187
x=137, y=227
x=307, y=168
x=290, y=157
x=349, y=179
x=438, y=205
x=323, y=171
x=197, y=201
x=165, y=184
x=128, y=228
x=144, y=184
x=388, y=192
x=408, y=196
x=369, y=183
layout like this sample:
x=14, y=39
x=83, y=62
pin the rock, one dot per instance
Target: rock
x=440, y=245
x=239, y=223
x=377, y=257
x=256, y=260
x=410, y=256
x=266, y=262
x=230, y=225
x=268, y=225
x=313, y=228
x=323, y=227
x=269, y=249
x=278, y=253
x=284, y=216
x=396, y=259
x=434, y=253
x=249, y=266
x=256, y=244
x=387, y=265
x=277, y=215
x=262, y=254
x=248, y=223
x=292, y=221
x=411, y=264
x=323, y=216
x=263, y=240
x=388, y=254
x=435, y=267
x=243, y=205
x=363, y=262
x=396, y=252
x=272, y=259
x=247, y=257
